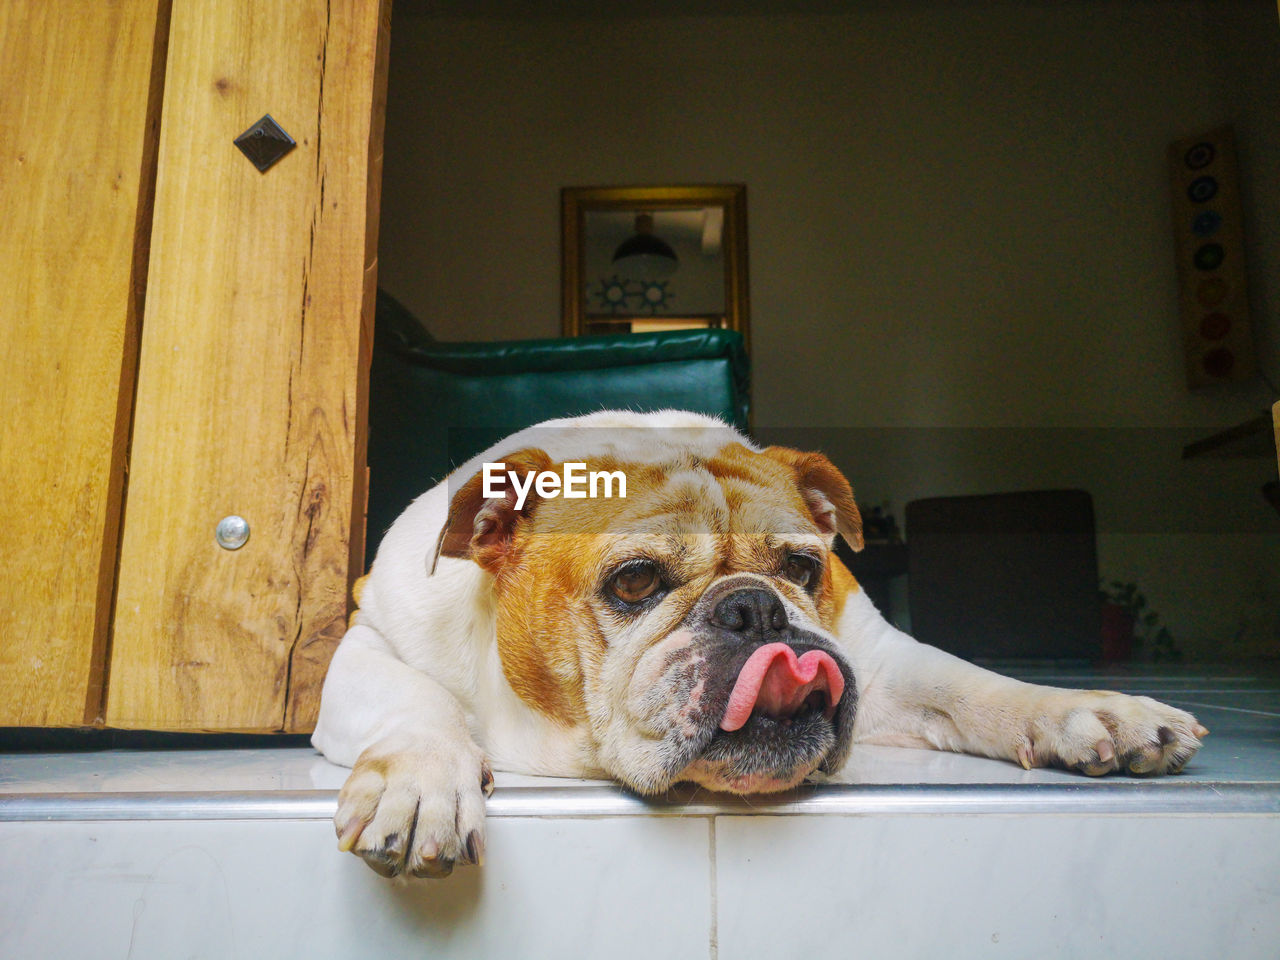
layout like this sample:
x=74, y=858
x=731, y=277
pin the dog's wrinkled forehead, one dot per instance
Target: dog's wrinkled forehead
x=628, y=482
x=736, y=492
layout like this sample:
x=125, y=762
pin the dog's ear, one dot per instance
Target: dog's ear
x=481, y=527
x=826, y=491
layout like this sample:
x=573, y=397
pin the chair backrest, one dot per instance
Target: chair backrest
x=1006, y=575
x=435, y=405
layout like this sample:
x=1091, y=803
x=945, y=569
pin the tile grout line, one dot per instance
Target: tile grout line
x=713, y=947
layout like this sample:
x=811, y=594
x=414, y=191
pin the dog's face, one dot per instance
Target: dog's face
x=689, y=624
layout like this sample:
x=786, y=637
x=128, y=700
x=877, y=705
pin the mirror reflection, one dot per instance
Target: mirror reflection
x=646, y=259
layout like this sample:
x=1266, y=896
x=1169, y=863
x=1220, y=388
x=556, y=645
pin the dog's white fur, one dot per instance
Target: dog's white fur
x=417, y=701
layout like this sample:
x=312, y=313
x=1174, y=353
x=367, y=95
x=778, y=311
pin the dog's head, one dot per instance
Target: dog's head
x=689, y=624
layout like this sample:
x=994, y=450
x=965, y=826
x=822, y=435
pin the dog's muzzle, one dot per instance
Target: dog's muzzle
x=773, y=681
x=763, y=698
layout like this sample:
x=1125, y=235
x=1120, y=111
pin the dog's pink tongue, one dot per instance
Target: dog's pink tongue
x=776, y=682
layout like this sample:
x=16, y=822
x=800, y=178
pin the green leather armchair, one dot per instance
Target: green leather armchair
x=434, y=405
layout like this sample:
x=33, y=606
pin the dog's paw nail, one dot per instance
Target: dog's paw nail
x=486, y=780
x=349, y=835
x=1025, y=756
x=1106, y=751
x=1200, y=731
x=383, y=863
x=434, y=869
x=475, y=848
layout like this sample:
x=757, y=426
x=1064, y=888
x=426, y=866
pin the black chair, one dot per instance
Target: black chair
x=1005, y=576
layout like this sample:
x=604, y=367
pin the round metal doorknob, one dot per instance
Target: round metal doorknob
x=232, y=532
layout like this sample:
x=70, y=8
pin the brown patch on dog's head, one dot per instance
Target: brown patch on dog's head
x=841, y=586
x=773, y=492
x=826, y=492
x=544, y=630
x=481, y=528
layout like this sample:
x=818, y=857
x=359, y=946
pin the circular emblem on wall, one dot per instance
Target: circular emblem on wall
x=1206, y=224
x=655, y=296
x=611, y=294
x=1201, y=155
x=1208, y=257
x=1202, y=189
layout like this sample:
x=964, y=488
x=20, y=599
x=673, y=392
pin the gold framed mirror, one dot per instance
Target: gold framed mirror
x=637, y=259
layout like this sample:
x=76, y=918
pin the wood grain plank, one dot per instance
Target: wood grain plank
x=81, y=84
x=310, y=658
x=249, y=389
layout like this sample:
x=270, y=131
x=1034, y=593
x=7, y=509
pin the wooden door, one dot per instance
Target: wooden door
x=75, y=190
x=256, y=339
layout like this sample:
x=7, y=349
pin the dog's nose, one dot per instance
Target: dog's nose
x=751, y=610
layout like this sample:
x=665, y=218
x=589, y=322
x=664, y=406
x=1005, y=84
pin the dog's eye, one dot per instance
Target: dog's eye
x=635, y=582
x=800, y=569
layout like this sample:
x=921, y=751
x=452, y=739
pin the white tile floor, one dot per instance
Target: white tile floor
x=228, y=853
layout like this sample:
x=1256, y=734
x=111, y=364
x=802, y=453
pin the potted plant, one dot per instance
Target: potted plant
x=1128, y=623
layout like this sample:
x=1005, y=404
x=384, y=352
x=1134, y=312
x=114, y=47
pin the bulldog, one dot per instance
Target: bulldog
x=689, y=622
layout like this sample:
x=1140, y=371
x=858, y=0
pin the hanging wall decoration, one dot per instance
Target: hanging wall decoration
x=1209, y=240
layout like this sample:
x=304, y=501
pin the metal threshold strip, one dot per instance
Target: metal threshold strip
x=1160, y=798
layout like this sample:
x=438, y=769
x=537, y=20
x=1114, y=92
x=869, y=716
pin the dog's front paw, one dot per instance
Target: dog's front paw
x=415, y=812
x=1096, y=732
